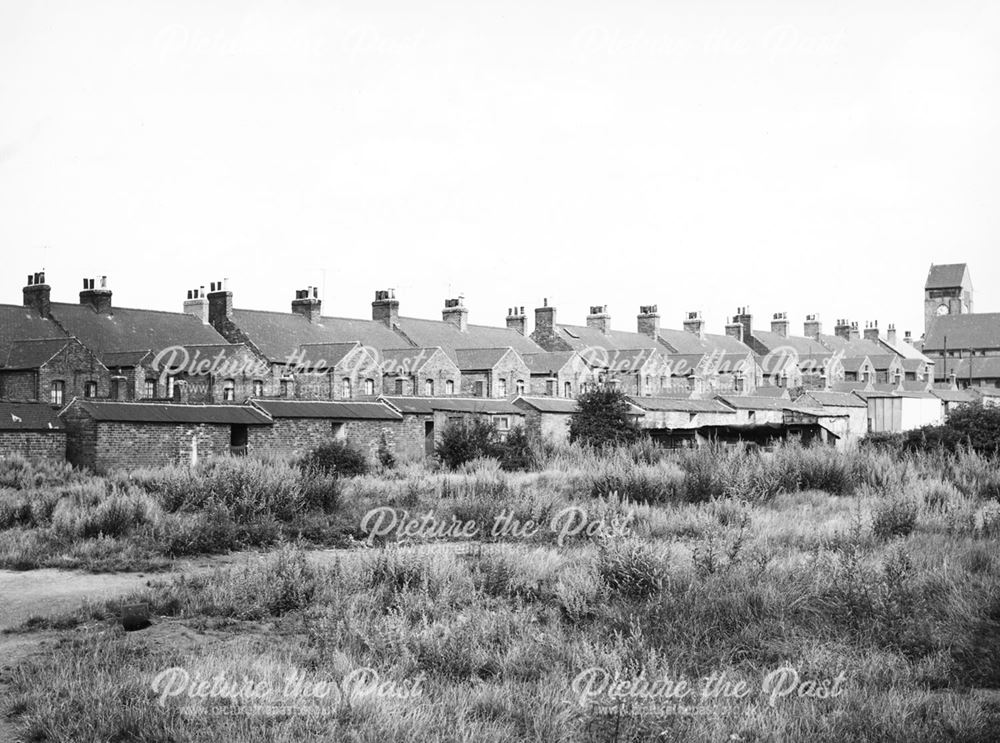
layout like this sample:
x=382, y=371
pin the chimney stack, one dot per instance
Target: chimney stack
x=455, y=312
x=220, y=304
x=854, y=333
x=890, y=334
x=196, y=304
x=308, y=304
x=599, y=319
x=842, y=329
x=871, y=331
x=96, y=295
x=385, y=308
x=648, y=321
x=812, y=327
x=745, y=319
x=734, y=329
x=545, y=323
x=694, y=323
x=908, y=337
x=779, y=324
x=37, y=294
x=516, y=319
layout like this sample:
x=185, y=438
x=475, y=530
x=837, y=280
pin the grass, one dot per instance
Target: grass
x=881, y=570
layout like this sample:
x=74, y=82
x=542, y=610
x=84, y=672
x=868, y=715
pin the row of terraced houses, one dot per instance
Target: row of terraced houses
x=107, y=386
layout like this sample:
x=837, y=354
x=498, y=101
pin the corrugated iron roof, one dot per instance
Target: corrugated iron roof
x=327, y=409
x=144, y=412
x=28, y=416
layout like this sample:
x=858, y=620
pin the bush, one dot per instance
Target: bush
x=465, y=440
x=895, y=517
x=385, y=456
x=974, y=426
x=602, y=419
x=517, y=453
x=336, y=458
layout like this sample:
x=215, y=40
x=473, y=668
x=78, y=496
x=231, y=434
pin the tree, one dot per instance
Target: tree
x=465, y=440
x=602, y=418
x=974, y=425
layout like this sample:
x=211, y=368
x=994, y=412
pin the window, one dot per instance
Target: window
x=58, y=390
x=502, y=388
x=751, y=416
x=478, y=389
x=647, y=384
x=149, y=388
x=337, y=429
x=503, y=422
x=283, y=387
x=258, y=388
x=429, y=387
x=90, y=389
x=567, y=389
x=229, y=390
x=345, y=388
x=520, y=386
x=170, y=387
x=400, y=386
x=449, y=387
x=369, y=386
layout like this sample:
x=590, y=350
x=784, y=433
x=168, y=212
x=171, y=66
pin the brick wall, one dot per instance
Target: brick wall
x=49, y=445
x=19, y=385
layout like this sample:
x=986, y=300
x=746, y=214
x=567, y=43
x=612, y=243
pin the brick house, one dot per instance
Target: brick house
x=336, y=371
x=492, y=372
x=105, y=435
x=204, y=373
x=33, y=430
x=419, y=371
x=299, y=426
x=557, y=373
x=52, y=370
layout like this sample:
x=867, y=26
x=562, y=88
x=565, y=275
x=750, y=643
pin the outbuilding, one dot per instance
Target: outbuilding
x=33, y=430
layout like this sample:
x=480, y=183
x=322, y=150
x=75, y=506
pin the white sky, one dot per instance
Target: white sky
x=796, y=156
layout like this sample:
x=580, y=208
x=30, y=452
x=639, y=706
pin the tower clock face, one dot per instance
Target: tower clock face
x=942, y=310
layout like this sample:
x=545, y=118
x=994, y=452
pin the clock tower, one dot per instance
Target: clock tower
x=948, y=291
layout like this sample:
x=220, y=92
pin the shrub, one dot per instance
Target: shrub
x=517, y=451
x=895, y=517
x=385, y=456
x=975, y=426
x=602, y=419
x=632, y=567
x=336, y=458
x=465, y=440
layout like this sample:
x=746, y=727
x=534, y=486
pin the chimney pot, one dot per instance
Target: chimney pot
x=308, y=306
x=37, y=294
x=98, y=298
x=385, y=308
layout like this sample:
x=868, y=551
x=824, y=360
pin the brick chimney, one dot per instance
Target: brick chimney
x=871, y=331
x=855, y=334
x=456, y=313
x=890, y=334
x=744, y=318
x=385, y=308
x=779, y=324
x=694, y=323
x=220, y=303
x=648, y=321
x=308, y=304
x=196, y=304
x=812, y=327
x=545, y=321
x=599, y=318
x=908, y=337
x=842, y=329
x=734, y=329
x=516, y=320
x=97, y=295
x=37, y=294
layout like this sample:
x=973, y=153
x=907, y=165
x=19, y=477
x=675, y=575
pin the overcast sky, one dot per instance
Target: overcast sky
x=795, y=156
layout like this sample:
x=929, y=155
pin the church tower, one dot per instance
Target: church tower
x=948, y=291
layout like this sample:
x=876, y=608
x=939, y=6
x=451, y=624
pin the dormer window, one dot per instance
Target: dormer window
x=369, y=387
x=228, y=390
x=449, y=387
x=520, y=386
x=345, y=388
x=258, y=388
x=429, y=388
x=90, y=389
x=58, y=391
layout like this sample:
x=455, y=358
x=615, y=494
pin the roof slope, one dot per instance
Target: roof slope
x=476, y=359
x=673, y=404
x=19, y=323
x=144, y=412
x=803, y=346
x=327, y=409
x=133, y=330
x=446, y=335
x=580, y=337
x=32, y=354
x=834, y=399
x=279, y=334
x=427, y=405
x=548, y=361
x=947, y=276
x=978, y=330
x=28, y=416
x=684, y=342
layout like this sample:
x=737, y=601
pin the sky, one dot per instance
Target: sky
x=804, y=157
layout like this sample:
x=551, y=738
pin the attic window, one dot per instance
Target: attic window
x=228, y=390
x=429, y=387
x=90, y=389
x=58, y=390
x=567, y=389
x=345, y=388
x=520, y=386
x=449, y=387
x=258, y=388
x=149, y=388
x=369, y=386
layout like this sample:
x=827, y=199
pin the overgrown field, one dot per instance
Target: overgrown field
x=827, y=596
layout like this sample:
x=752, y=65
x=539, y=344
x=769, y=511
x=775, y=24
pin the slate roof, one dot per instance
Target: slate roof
x=803, y=346
x=946, y=276
x=834, y=399
x=279, y=334
x=547, y=361
x=132, y=330
x=904, y=349
x=580, y=337
x=983, y=367
x=562, y=405
x=978, y=330
x=34, y=353
x=955, y=395
x=623, y=360
x=28, y=416
x=327, y=409
x=407, y=360
x=853, y=386
x=857, y=347
x=756, y=403
x=191, y=358
x=769, y=390
x=330, y=354
x=427, y=405
x=144, y=412
x=125, y=358
x=19, y=323
x=684, y=365
x=478, y=359
x=684, y=342
x=423, y=332
x=672, y=404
